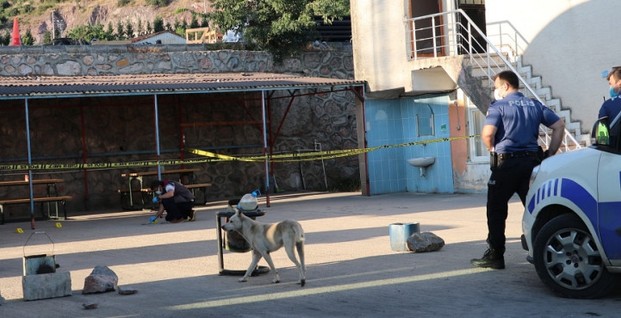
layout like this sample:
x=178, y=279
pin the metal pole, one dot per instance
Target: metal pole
x=323, y=165
x=31, y=195
x=265, y=150
x=433, y=32
x=84, y=154
x=157, y=136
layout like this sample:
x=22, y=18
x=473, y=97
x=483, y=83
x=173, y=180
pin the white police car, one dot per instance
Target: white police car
x=572, y=218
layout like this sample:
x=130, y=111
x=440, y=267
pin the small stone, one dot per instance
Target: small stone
x=126, y=291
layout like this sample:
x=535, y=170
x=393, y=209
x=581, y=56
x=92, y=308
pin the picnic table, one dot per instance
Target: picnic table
x=49, y=198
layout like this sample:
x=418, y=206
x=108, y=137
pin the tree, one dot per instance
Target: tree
x=129, y=29
x=120, y=31
x=87, y=33
x=47, y=38
x=27, y=39
x=139, y=30
x=194, y=22
x=6, y=38
x=158, y=3
x=110, y=32
x=184, y=25
x=281, y=27
x=158, y=24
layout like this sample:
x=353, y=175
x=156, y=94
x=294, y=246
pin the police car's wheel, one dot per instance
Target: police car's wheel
x=568, y=261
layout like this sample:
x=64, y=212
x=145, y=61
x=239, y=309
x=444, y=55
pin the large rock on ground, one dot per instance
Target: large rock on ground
x=424, y=242
x=101, y=280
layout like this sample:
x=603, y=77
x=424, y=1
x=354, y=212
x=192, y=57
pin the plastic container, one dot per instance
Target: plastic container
x=399, y=234
x=249, y=201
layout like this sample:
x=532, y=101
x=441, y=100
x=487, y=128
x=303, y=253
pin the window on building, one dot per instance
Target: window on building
x=424, y=122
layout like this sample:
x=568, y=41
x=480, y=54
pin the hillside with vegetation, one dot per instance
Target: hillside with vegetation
x=281, y=27
x=42, y=20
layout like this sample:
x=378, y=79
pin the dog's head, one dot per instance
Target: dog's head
x=235, y=222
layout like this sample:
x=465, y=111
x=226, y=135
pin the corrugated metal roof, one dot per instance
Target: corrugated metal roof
x=18, y=87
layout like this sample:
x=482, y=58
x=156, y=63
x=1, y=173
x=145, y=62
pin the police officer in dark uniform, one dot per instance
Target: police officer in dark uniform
x=175, y=199
x=611, y=108
x=510, y=133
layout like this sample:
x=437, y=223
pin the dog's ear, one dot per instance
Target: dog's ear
x=236, y=211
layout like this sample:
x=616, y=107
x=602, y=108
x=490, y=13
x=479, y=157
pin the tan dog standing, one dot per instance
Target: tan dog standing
x=265, y=238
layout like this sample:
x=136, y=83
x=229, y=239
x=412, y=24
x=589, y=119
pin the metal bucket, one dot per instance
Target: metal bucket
x=34, y=261
x=40, y=280
x=235, y=242
x=399, y=234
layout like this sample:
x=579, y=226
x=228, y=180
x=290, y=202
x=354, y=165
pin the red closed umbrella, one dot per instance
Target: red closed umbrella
x=15, y=39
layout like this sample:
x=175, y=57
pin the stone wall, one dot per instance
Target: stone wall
x=115, y=129
x=334, y=61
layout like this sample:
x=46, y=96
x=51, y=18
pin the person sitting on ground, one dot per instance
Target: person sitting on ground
x=174, y=198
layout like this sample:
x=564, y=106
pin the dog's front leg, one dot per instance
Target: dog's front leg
x=268, y=258
x=256, y=256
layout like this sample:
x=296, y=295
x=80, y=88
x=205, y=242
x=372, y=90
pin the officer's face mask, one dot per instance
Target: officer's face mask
x=613, y=81
x=498, y=94
x=613, y=92
x=500, y=89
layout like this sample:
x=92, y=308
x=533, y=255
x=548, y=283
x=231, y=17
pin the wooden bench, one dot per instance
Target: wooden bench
x=55, y=200
x=138, y=199
x=198, y=186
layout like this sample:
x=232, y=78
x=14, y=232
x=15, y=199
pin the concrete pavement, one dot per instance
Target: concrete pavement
x=351, y=270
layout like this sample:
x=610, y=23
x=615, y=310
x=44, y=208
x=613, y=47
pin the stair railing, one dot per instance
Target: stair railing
x=453, y=33
x=507, y=38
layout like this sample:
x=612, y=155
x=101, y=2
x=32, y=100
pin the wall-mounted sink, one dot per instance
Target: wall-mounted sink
x=422, y=163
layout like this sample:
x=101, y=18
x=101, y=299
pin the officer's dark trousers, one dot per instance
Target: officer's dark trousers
x=510, y=176
x=176, y=210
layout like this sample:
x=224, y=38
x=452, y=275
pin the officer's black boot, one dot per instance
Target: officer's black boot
x=492, y=258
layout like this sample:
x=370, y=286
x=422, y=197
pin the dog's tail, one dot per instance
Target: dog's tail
x=299, y=234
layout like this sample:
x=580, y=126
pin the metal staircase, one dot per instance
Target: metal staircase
x=454, y=34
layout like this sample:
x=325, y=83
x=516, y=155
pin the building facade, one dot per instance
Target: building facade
x=428, y=65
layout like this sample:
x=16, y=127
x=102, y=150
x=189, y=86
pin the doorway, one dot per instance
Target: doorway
x=474, y=42
x=427, y=32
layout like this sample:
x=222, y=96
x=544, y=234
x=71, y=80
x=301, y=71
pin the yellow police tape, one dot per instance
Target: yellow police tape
x=207, y=157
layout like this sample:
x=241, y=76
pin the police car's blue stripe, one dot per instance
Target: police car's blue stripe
x=610, y=222
x=569, y=190
x=610, y=211
x=531, y=205
x=577, y=194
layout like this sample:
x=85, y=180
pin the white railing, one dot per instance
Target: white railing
x=506, y=38
x=453, y=33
